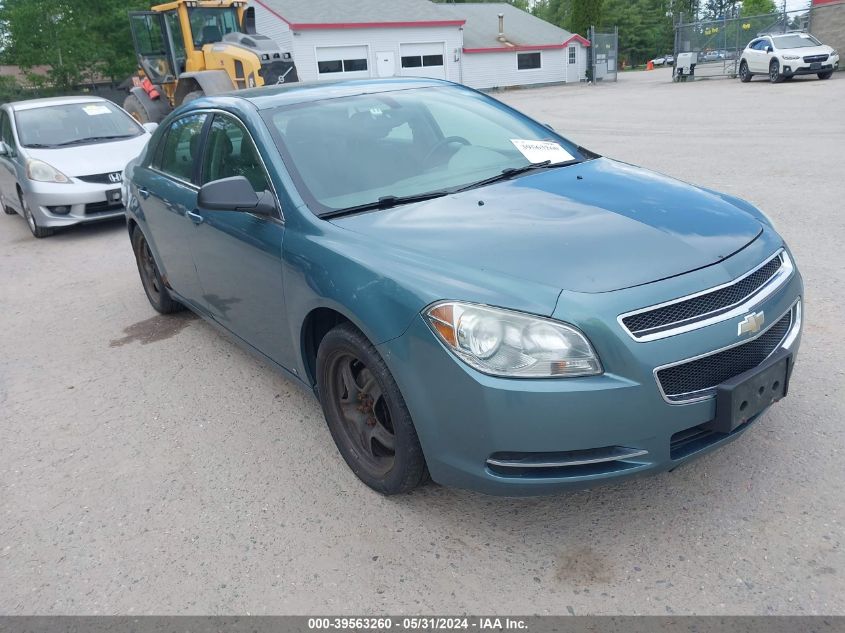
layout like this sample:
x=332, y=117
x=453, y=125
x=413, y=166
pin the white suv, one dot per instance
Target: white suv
x=784, y=56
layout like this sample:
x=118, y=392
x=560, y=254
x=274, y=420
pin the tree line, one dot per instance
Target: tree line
x=78, y=41
x=646, y=27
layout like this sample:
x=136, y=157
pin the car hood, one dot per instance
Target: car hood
x=596, y=226
x=98, y=158
x=806, y=51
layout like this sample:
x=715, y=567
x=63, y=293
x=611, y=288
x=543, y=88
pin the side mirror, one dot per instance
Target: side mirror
x=150, y=127
x=235, y=194
x=769, y=49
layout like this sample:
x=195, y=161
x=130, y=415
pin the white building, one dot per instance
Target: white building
x=483, y=45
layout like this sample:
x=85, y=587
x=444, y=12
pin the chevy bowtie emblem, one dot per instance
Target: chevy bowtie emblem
x=751, y=323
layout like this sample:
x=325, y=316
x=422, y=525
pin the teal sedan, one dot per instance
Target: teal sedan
x=472, y=297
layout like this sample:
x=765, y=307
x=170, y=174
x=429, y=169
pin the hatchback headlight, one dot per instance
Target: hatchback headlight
x=506, y=343
x=40, y=171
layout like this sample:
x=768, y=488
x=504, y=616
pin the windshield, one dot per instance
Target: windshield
x=209, y=25
x=353, y=151
x=795, y=40
x=74, y=124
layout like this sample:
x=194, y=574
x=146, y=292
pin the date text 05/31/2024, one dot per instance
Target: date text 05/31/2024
x=417, y=623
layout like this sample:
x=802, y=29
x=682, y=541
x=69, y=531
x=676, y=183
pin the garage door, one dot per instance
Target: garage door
x=348, y=62
x=423, y=60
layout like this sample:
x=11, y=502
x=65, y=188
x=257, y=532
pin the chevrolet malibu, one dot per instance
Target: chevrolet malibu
x=62, y=160
x=471, y=296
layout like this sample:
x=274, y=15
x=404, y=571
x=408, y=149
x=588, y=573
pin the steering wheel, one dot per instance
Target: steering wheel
x=444, y=142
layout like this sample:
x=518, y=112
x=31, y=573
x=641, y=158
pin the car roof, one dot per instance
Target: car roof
x=30, y=104
x=306, y=92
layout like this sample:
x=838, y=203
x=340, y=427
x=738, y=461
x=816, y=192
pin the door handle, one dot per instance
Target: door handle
x=195, y=217
x=144, y=193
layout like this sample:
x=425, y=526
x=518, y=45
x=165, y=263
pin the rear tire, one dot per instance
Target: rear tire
x=744, y=74
x=37, y=231
x=774, y=72
x=826, y=75
x=366, y=413
x=151, y=279
x=133, y=106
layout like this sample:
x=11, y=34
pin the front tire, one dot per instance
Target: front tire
x=744, y=74
x=366, y=413
x=826, y=75
x=151, y=279
x=193, y=96
x=774, y=72
x=37, y=230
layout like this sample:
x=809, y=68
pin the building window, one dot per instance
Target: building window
x=354, y=65
x=342, y=66
x=527, y=61
x=333, y=66
x=571, y=54
x=416, y=61
x=432, y=60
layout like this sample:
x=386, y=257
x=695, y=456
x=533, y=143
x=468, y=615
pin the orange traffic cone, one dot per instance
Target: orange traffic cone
x=649, y=66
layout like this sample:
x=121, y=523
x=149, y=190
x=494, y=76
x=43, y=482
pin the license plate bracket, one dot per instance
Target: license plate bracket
x=816, y=66
x=746, y=395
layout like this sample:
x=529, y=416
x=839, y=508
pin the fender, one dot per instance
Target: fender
x=211, y=82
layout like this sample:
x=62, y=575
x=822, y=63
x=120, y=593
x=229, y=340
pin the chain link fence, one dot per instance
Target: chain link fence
x=604, y=54
x=718, y=44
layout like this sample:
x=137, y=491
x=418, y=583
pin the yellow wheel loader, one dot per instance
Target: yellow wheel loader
x=190, y=48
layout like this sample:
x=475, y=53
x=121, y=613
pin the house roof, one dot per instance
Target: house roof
x=523, y=31
x=335, y=14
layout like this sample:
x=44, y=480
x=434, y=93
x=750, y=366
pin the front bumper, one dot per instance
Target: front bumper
x=617, y=424
x=799, y=67
x=87, y=202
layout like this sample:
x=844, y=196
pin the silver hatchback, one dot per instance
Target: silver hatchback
x=62, y=160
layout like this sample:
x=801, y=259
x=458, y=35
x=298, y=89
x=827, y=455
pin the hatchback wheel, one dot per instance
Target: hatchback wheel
x=774, y=72
x=744, y=74
x=366, y=413
x=32, y=223
x=151, y=279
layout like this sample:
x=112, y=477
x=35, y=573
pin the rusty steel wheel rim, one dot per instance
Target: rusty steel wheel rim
x=366, y=424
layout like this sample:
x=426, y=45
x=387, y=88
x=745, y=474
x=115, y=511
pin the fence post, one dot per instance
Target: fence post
x=616, y=53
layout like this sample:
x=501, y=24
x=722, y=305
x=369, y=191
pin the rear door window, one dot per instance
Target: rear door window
x=180, y=148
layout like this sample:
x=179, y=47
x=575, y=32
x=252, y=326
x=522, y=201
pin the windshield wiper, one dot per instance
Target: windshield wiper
x=385, y=202
x=510, y=172
x=94, y=139
x=39, y=146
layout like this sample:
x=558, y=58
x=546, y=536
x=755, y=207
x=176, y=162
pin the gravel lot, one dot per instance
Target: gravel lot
x=148, y=465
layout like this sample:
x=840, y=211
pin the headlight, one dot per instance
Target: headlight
x=833, y=53
x=40, y=171
x=505, y=343
x=792, y=57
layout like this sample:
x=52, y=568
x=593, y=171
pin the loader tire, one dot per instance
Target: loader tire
x=134, y=107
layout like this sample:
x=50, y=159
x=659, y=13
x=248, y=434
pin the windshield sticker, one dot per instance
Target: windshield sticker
x=539, y=151
x=94, y=110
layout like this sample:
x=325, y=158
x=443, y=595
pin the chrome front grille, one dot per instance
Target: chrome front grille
x=709, y=306
x=815, y=58
x=697, y=378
